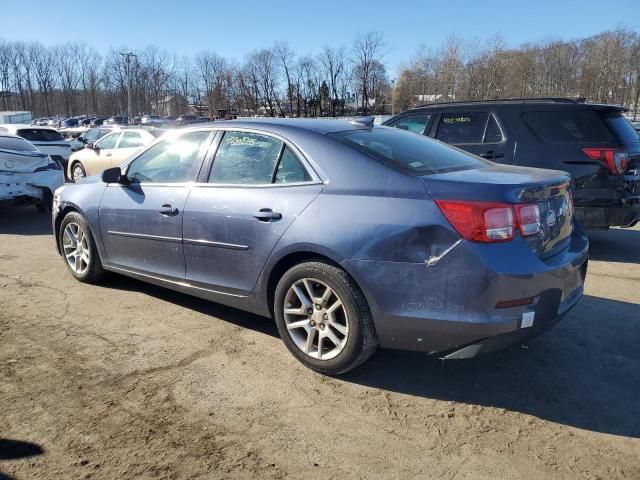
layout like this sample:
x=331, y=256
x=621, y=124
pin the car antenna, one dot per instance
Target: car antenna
x=365, y=121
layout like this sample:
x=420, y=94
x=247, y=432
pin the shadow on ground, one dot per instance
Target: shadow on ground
x=15, y=450
x=583, y=373
x=615, y=245
x=24, y=221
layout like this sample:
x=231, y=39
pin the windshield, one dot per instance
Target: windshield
x=408, y=151
x=16, y=144
x=40, y=135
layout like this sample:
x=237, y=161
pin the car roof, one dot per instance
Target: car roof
x=520, y=102
x=20, y=126
x=281, y=125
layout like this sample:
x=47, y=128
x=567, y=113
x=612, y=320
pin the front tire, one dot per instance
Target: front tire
x=79, y=249
x=323, y=318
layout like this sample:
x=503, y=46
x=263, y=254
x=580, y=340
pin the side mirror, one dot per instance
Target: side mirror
x=90, y=146
x=113, y=175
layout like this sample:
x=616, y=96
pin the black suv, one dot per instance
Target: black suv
x=594, y=143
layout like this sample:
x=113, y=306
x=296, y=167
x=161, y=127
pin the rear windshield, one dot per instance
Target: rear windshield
x=568, y=126
x=621, y=127
x=40, y=135
x=408, y=151
x=16, y=144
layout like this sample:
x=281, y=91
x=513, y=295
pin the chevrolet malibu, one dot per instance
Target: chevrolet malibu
x=349, y=235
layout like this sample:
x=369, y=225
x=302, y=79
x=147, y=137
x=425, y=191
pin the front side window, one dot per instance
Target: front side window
x=108, y=141
x=461, y=128
x=413, y=123
x=174, y=160
x=130, y=140
x=411, y=153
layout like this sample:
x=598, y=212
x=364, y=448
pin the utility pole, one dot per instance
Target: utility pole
x=127, y=61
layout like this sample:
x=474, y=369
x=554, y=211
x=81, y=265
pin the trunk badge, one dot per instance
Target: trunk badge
x=551, y=218
x=9, y=164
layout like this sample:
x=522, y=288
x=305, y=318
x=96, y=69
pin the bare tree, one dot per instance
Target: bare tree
x=367, y=52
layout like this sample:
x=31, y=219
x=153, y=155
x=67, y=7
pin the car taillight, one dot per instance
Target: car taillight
x=489, y=222
x=528, y=219
x=615, y=159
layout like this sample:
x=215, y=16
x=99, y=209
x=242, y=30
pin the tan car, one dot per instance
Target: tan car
x=110, y=151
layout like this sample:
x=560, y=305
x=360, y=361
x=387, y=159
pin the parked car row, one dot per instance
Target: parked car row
x=349, y=235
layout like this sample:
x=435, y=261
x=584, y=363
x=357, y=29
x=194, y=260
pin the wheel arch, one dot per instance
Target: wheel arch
x=292, y=258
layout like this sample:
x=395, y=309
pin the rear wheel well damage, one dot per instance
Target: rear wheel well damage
x=288, y=261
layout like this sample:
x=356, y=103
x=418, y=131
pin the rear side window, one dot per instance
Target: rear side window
x=461, y=128
x=413, y=123
x=568, y=126
x=415, y=154
x=130, y=140
x=40, y=135
x=290, y=169
x=621, y=127
x=16, y=144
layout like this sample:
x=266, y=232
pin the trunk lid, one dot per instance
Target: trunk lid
x=548, y=189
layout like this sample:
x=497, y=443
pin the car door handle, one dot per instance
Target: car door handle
x=168, y=210
x=267, y=215
x=491, y=154
x=107, y=154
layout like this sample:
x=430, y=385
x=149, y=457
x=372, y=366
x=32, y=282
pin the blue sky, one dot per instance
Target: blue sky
x=233, y=28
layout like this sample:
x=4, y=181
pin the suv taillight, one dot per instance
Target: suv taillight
x=615, y=159
x=489, y=222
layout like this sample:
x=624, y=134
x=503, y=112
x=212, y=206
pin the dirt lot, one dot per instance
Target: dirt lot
x=126, y=380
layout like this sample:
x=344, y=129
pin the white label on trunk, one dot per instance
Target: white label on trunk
x=527, y=319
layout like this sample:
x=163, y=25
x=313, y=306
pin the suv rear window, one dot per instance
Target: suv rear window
x=568, y=126
x=406, y=151
x=40, y=135
x=621, y=127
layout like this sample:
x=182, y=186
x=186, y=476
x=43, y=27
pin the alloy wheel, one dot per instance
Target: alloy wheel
x=316, y=319
x=75, y=244
x=77, y=172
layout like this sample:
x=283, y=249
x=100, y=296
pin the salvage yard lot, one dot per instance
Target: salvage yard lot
x=128, y=380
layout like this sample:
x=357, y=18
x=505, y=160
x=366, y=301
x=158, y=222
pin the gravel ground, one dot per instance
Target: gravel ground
x=127, y=380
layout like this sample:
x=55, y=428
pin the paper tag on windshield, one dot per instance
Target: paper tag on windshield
x=527, y=319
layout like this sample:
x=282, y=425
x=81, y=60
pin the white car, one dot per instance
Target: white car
x=47, y=139
x=109, y=151
x=27, y=175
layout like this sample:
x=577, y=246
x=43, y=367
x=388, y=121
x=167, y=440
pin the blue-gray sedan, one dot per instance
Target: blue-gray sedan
x=350, y=236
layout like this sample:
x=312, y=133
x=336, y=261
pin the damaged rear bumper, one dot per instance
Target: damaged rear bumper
x=18, y=188
x=450, y=307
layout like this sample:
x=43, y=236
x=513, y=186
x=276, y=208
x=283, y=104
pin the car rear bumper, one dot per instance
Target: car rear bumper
x=603, y=217
x=449, y=309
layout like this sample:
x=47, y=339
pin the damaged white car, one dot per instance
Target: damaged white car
x=27, y=175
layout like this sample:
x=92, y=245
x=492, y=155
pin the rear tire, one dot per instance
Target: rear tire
x=79, y=249
x=323, y=318
x=77, y=172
